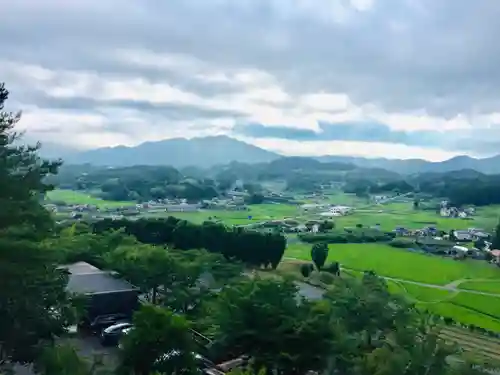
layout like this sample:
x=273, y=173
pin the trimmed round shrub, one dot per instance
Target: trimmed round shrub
x=306, y=269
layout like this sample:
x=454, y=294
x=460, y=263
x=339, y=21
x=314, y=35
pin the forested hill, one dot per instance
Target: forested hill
x=145, y=182
x=179, y=152
x=411, y=166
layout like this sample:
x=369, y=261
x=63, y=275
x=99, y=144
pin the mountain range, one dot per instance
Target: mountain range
x=206, y=152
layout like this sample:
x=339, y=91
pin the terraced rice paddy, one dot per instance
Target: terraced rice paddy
x=399, y=263
x=477, y=344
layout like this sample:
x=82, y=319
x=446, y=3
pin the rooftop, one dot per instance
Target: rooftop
x=84, y=278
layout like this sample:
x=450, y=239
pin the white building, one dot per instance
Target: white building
x=182, y=207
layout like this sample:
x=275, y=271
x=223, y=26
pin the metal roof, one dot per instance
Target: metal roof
x=80, y=268
x=87, y=279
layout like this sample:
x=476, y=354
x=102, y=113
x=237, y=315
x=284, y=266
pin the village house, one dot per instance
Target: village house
x=182, y=207
x=496, y=256
x=337, y=211
x=463, y=235
x=459, y=251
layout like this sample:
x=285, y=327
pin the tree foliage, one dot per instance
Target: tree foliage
x=22, y=174
x=319, y=253
x=34, y=306
x=160, y=341
x=250, y=247
x=306, y=269
x=265, y=320
x=496, y=238
x=136, y=183
x=63, y=359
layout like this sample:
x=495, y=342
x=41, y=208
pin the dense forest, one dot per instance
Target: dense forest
x=143, y=183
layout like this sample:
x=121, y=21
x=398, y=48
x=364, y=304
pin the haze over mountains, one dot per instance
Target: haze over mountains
x=209, y=151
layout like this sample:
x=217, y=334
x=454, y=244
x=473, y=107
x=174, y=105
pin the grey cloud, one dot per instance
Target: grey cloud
x=366, y=132
x=440, y=56
x=167, y=111
x=484, y=140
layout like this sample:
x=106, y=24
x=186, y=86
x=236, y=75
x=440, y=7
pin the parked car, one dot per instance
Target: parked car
x=103, y=321
x=112, y=334
x=124, y=332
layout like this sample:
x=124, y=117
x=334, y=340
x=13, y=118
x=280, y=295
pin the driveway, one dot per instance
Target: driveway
x=88, y=347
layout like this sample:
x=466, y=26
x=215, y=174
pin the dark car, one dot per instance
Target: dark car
x=103, y=321
x=112, y=334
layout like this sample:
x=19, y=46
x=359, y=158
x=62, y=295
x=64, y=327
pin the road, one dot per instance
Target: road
x=309, y=291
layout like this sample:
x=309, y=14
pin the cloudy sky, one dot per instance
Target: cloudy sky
x=394, y=78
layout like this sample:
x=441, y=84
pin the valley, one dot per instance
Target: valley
x=401, y=227
x=421, y=276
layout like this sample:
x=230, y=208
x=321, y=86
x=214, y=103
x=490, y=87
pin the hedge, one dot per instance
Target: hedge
x=358, y=236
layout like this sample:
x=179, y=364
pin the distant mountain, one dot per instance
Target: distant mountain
x=221, y=150
x=178, y=152
x=55, y=151
x=411, y=166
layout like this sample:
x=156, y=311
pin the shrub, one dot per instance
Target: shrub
x=403, y=243
x=306, y=269
x=354, y=236
x=319, y=253
x=333, y=268
x=326, y=226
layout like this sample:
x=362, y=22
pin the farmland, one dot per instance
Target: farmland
x=401, y=264
x=76, y=197
x=388, y=216
x=463, y=307
x=488, y=286
x=256, y=213
x=392, y=215
x=438, y=292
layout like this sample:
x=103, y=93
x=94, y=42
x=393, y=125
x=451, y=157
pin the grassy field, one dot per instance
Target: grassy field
x=76, y=197
x=465, y=315
x=463, y=307
x=389, y=215
x=482, y=286
x=392, y=215
x=258, y=213
x=424, y=295
x=466, y=308
x=397, y=263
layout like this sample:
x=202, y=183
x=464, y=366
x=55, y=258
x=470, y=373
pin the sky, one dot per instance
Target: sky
x=374, y=78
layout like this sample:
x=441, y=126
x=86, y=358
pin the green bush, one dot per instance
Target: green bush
x=354, y=236
x=333, y=268
x=402, y=243
x=306, y=269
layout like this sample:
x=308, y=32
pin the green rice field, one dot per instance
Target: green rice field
x=463, y=307
x=492, y=286
x=401, y=264
x=389, y=215
x=255, y=214
x=402, y=214
x=77, y=197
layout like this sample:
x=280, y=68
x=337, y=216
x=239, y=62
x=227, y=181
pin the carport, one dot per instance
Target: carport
x=107, y=294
